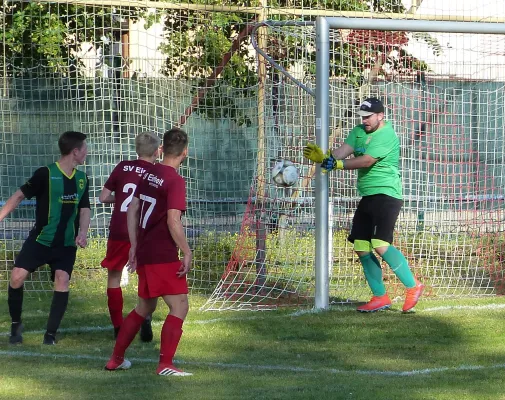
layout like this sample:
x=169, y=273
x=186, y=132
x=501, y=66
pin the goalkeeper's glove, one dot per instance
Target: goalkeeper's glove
x=314, y=153
x=328, y=163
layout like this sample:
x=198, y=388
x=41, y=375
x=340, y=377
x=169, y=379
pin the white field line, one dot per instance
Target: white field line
x=154, y=323
x=282, y=368
x=346, y=308
x=471, y=308
x=493, y=307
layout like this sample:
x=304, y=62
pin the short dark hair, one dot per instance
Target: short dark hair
x=174, y=142
x=69, y=141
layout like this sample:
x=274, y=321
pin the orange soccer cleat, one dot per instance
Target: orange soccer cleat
x=412, y=296
x=377, y=303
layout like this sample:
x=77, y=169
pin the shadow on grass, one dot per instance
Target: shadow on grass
x=390, y=345
x=276, y=355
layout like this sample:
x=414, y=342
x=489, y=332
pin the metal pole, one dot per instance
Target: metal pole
x=415, y=25
x=322, y=135
x=261, y=194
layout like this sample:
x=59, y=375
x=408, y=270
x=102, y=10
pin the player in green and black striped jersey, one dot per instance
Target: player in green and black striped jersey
x=62, y=218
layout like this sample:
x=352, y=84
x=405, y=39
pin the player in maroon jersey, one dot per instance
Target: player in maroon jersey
x=119, y=190
x=156, y=236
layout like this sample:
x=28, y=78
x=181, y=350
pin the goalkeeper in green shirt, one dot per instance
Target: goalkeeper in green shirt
x=376, y=151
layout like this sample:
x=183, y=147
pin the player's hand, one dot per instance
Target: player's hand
x=313, y=152
x=329, y=163
x=81, y=241
x=132, y=260
x=185, y=265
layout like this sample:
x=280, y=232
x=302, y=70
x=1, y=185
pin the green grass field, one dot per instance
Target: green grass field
x=446, y=350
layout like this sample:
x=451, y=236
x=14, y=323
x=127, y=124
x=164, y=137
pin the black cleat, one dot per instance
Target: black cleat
x=16, y=336
x=49, y=339
x=146, y=330
x=116, y=331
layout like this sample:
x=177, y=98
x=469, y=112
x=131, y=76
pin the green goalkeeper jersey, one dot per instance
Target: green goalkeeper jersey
x=384, y=176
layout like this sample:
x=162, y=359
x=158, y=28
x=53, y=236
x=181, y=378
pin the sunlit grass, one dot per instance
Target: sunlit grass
x=285, y=354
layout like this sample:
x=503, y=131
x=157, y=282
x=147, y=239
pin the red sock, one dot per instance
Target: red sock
x=129, y=328
x=170, y=335
x=115, y=303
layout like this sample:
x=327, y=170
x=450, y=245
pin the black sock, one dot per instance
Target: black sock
x=15, y=302
x=58, y=308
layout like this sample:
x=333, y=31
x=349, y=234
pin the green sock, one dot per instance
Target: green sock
x=373, y=274
x=400, y=266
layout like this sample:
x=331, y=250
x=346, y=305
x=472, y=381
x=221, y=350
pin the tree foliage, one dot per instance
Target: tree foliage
x=197, y=41
x=46, y=35
x=40, y=38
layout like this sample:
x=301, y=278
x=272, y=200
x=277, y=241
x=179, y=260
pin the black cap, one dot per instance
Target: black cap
x=371, y=106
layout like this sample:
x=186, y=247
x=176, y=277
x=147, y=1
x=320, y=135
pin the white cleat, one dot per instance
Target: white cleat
x=173, y=372
x=113, y=366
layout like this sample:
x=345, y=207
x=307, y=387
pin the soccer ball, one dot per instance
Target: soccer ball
x=284, y=173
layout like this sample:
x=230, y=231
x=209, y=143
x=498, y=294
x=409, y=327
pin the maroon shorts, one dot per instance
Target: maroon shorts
x=157, y=280
x=117, y=255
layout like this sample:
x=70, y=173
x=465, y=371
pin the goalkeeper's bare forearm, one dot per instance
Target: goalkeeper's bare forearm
x=342, y=152
x=334, y=162
x=364, y=161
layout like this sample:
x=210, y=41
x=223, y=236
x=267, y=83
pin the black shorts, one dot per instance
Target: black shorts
x=33, y=255
x=375, y=218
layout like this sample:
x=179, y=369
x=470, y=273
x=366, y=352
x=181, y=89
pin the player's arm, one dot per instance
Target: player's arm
x=364, y=161
x=11, y=204
x=132, y=220
x=106, y=196
x=32, y=187
x=177, y=231
x=342, y=152
x=84, y=221
x=84, y=218
x=109, y=186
